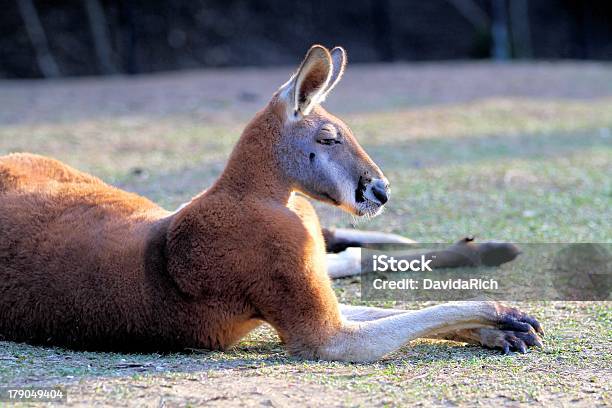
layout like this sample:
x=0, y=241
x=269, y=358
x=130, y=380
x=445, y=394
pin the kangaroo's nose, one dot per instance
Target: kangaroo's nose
x=380, y=189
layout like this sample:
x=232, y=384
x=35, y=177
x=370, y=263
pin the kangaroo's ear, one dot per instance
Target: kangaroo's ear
x=338, y=56
x=307, y=86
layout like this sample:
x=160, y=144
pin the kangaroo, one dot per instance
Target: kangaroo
x=88, y=266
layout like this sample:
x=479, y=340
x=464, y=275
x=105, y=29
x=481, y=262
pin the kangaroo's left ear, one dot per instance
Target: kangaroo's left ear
x=338, y=56
x=307, y=85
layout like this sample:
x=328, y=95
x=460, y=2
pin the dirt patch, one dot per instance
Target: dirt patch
x=215, y=389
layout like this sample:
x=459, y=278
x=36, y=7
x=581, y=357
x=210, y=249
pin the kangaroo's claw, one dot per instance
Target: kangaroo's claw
x=508, y=340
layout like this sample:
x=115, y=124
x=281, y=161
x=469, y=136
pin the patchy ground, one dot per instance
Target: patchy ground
x=515, y=152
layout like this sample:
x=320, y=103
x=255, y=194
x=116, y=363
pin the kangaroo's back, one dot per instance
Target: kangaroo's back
x=72, y=253
x=28, y=171
x=45, y=191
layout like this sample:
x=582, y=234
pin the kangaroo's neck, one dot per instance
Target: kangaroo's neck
x=253, y=169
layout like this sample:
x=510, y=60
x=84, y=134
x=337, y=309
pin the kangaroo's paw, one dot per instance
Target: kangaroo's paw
x=510, y=318
x=509, y=340
x=516, y=331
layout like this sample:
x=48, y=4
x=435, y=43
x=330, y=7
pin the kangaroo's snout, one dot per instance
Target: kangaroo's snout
x=380, y=190
x=372, y=194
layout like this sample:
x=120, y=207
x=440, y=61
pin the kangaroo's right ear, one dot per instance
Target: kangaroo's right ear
x=338, y=56
x=307, y=86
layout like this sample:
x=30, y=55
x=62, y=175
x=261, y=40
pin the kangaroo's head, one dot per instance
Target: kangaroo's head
x=316, y=151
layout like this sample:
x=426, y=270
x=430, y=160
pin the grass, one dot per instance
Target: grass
x=517, y=169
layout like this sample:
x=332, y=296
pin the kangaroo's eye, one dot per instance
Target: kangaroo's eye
x=329, y=137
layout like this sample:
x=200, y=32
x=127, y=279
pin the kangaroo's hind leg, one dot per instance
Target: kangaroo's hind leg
x=339, y=239
x=345, y=257
x=342, y=246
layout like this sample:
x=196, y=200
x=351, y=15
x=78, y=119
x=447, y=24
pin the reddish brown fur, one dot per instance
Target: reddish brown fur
x=86, y=265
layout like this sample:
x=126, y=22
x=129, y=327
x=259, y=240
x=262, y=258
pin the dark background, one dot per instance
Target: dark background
x=46, y=38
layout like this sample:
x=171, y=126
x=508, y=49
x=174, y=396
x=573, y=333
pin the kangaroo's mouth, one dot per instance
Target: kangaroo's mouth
x=324, y=196
x=330, y=198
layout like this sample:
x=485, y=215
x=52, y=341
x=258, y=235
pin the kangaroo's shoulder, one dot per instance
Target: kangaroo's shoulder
x=217, y=222
x=238, y=240
x=293, y=227
x=222, y=216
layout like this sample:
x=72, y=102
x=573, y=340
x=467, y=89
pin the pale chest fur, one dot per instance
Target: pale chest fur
x=310, y=222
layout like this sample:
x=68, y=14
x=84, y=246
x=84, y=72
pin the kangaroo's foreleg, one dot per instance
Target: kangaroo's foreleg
x=372, y=339
x=310, y=322
x=505, y=340
x=367, y=313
